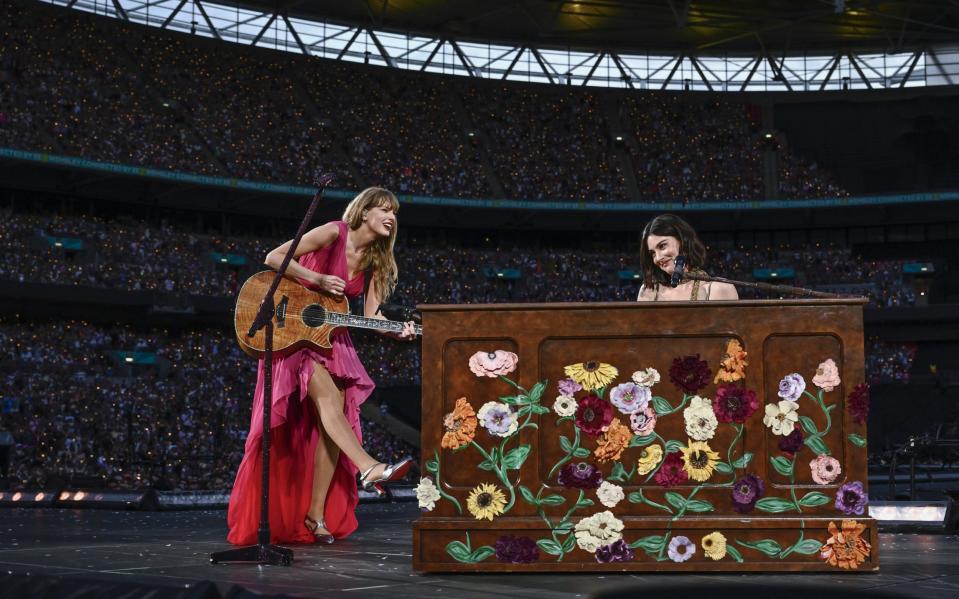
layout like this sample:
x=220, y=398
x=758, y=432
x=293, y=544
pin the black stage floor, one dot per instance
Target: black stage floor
x=171, y=549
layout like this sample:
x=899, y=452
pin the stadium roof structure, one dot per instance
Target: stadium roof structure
x=690, y=26
x=709, y=45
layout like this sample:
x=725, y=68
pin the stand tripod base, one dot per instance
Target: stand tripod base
x=273, y=555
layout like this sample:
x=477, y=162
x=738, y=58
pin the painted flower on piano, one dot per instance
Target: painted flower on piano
x=459, y=425
x=827, y=376
x=792, y=387
x=598, y=530
x=734, y=403
x=486, y=501
x=643, y=422
x=646, y=378
x=733, y=364
x=700, y=419
x=851, y=498
x=846, y=548
x=714, y=545
x=781, y=418
x=427, y=494
x=689, y=374
x=493, y=364
x=592, y=375
x=649, y=458
x=858, y=403
x=593, y=415
x=610, y=446
x=699, y=460
x=498, y=418
x=825, y=469
x=630, y=397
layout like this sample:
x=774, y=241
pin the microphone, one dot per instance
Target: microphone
x=678, y=271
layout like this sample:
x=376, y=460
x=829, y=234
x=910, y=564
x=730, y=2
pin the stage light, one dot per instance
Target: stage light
x=932, y=514
x=619, y=138
x=129, y=359
x=768, y=136
x=27, y=498
x=108, y=499
x=16, y=496
x=471, y=134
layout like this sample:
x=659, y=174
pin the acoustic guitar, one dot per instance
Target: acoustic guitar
x=302, y=318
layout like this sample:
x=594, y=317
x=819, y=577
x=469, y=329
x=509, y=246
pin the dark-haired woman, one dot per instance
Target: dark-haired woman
x=664, y=238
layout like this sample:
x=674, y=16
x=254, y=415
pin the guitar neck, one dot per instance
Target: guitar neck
x=363, y=322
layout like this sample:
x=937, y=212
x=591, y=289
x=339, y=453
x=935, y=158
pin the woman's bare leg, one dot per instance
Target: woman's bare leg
x=328, y=400
x=324, y=465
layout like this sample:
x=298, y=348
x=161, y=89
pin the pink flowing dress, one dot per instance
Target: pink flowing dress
x=295, y=430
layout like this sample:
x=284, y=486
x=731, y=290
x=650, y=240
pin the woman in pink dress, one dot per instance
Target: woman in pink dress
x=316, y=449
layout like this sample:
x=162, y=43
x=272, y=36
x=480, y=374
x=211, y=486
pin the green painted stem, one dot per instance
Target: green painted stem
x=439, y=485
x=729, y=453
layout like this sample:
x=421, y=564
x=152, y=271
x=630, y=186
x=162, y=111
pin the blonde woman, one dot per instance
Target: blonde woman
x=316, y=448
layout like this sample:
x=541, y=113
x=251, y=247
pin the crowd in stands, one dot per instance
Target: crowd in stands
x=888, y=362
x=133, y=255
x=140, y=96
x=80, y=415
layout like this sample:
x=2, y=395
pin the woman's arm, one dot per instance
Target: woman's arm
x=723, y=291
x=645, y=295
x=370, y=307
x=312, y=240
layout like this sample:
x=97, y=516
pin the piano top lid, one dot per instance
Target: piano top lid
x=844, y=301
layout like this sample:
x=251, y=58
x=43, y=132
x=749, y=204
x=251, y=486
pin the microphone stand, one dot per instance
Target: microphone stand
x=264, y=552
x=680, y=275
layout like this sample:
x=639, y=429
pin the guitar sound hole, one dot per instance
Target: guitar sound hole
x=314, y=315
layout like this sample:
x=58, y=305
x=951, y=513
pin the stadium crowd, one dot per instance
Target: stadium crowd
x=139, y=96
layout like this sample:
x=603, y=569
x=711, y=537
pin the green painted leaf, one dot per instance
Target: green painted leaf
x=481, y=553
x=432, y=466
x=673, y=446
x=523, y=411
x=767, y=546
x=618, y=474
x=458, y=551
x=569, y=543
x=600, y=392
x=675, y=499
x=808, y=425
x=641, y=441
x=560, y=421
x=813, y=499
x=743, y=461
x=584, y=503
x=537, y=392
x=581, y=452
x=514, y=458
x=635, y=497
x=485, y=465
x=857, y=440
x=816, y=445
x=724, y=468
x=698, y=505
x=734, y=553
x=528, y=495
x=565, y=444
x=661, y=406
x=513, y=400
x=650, y=544
x=550, y=546
x=774, y=505
x=540, y=409
x=782, y=465
x=553, y=500
x=808, y=547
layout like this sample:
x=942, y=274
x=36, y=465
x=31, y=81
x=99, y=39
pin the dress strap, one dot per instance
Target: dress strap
x=695, y=293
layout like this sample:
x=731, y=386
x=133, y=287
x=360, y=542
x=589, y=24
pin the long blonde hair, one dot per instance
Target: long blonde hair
x=380, y=254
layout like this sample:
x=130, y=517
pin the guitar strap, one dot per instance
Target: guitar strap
x=367, y=276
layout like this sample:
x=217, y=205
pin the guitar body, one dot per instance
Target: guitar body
x=298, y=320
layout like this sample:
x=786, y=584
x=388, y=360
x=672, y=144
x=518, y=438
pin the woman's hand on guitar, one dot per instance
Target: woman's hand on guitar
x=408, y=333
x=331, y=284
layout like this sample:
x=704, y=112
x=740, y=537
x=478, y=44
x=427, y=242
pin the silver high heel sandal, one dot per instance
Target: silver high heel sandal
x=314, y=525
x=391, y=474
